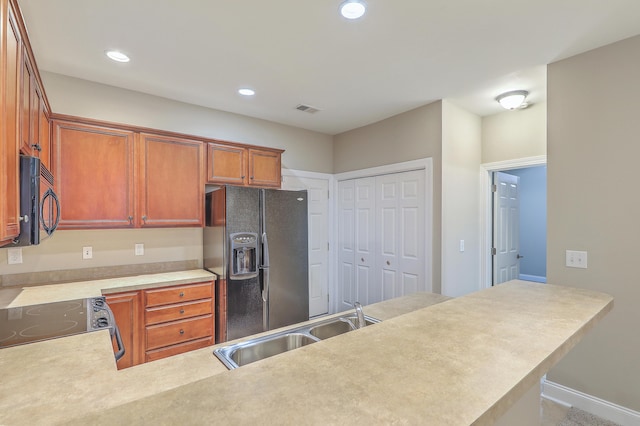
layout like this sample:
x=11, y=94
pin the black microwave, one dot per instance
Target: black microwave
x=39, y=204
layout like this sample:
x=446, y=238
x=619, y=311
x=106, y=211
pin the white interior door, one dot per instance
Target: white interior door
x=400, y=224
x=346, y=245
x=506, y=231
x=381, y=229
x=365, y=239
x=318, y=228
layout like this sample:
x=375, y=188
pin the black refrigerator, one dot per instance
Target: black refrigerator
x=256, y=241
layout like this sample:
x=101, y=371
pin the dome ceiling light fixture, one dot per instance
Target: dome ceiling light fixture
x=117, y=56
x=513, y=100
x=352, y=9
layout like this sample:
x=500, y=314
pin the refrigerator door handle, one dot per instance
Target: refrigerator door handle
x=265, y=281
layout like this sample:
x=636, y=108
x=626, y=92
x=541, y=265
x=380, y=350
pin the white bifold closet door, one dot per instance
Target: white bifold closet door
x=381, y=237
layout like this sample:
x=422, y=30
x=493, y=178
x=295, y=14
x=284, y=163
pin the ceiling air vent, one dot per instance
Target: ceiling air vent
x=307, y=108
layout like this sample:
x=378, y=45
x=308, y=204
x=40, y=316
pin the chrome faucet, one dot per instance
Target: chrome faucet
x=360, y=322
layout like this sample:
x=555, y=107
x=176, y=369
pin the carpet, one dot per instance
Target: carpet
x=576, y=417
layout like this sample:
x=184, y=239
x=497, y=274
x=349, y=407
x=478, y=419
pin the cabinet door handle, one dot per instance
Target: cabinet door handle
x=144, y=219
x=130, y=220
x=182, y=311
x=251, y=177
x=362, y=259
x=182, y=294
x=243, y=177
x=181, y=332
x=37, y=147
x=388, y=263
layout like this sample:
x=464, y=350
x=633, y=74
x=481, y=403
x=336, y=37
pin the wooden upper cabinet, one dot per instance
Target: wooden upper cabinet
x=44, y=131
x=226, y=164
x=171, y=181
x=237, y=165
x=264, y=168
x=26, y=101
x=94, y=171
x=10, y=69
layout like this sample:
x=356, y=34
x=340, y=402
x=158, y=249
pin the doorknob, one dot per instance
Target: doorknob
x=519, y=257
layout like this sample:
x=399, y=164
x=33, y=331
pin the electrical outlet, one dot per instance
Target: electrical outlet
x=14, y=256
x=576, y=259
x=139, y=249
x=87, y=253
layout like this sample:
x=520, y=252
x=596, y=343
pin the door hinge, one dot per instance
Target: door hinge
x=493, y=251
x=494, y=188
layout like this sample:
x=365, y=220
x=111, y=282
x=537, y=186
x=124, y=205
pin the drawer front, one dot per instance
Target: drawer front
x=177, y=294
x=178, y=349
x=178, y=331
x=180, y=311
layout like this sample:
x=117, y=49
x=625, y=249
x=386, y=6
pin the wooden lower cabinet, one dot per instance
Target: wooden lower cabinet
x=129, y=316
x=164, y=321
x=178, y=319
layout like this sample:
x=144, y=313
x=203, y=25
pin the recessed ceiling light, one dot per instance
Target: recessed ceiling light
x=352, y=9
x=117, y=56
x=246, y=92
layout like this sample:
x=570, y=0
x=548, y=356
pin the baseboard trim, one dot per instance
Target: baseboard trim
x=599, y=407
x=534, y=278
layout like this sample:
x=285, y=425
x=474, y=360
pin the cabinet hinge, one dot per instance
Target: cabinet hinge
x=327, y=246
x=493, y=251
x=494, y=188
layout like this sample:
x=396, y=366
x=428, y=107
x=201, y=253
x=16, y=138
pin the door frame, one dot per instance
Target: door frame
x=425, y=164
x=486, y=208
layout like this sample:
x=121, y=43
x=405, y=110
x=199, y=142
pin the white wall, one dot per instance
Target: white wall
x=461, y=154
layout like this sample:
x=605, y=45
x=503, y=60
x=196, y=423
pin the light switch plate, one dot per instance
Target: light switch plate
x=576, y=259
x=139, y=249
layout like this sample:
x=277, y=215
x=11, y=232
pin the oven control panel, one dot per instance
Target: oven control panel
x=99, y=315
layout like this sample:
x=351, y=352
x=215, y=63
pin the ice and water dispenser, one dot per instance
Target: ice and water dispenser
x=244, y=255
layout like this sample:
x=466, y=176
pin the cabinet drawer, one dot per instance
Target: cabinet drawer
x=179, y=331
x=180, y=311
x=183, y=293
x=178, y=349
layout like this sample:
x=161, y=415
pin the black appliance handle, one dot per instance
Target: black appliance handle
x=49, y=229
x=116, y=332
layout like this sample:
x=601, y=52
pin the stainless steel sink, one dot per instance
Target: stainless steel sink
x=334, y=328
x=243, y=353
x=255, y=351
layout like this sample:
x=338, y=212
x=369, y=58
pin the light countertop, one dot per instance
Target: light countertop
x=12, y=298
x=463, y=361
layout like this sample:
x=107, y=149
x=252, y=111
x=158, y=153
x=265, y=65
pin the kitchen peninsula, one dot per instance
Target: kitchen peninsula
x=431, y=361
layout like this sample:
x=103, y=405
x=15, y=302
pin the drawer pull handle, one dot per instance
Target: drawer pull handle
x=181, y=332
x=182, y=311
x=182, y=294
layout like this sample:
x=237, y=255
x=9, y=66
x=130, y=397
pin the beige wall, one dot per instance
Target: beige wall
x=408, y=136
x=515, y=134
x=461, y=151
x=110, y=248
x=304, y=149
x=594, y=205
